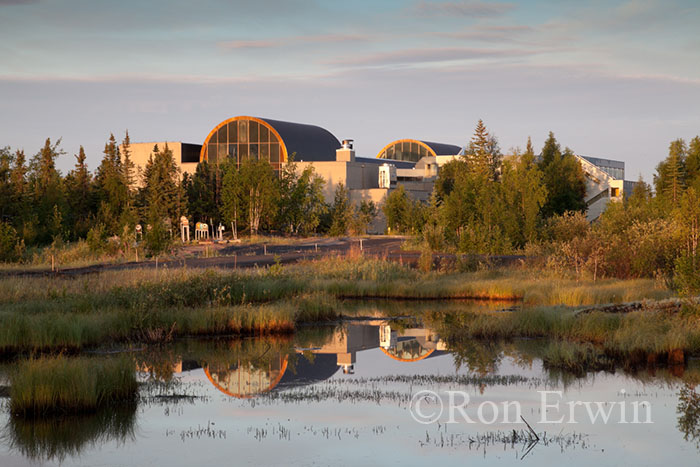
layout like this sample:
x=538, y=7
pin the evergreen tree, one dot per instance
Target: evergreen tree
x=670, y=180
x=45, y=186
x=564, y=179
x=6, y=207
x=163, y=192
x=112, y=190
x=525, y=194
x=80, y=197
x=692, y=164
x=20, y=201
x=200, y=190
x=483, y=152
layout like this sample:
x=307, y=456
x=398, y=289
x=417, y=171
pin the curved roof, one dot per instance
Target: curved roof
x=309, y=142
x=432, y=149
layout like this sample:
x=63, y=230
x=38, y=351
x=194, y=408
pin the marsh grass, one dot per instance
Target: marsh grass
x=60, y=385
x=50, y=314
x=643, y=332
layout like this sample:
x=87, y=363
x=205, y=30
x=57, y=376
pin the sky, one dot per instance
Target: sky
x=611, y=79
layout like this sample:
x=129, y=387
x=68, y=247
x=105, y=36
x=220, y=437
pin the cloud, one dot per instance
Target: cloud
x=463, y=8
x=287, y=41
x=407, y=56
x=490, y=33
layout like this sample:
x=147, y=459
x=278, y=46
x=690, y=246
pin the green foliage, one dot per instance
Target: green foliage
x=97, y=238
x=563, y=178
x=70, y=385
x=10, y=246
x=163, y=194
x=111, y=189
x=157, y=239
x=301, y=202
x=203, y=192
x=341, y=212
x=670, y=179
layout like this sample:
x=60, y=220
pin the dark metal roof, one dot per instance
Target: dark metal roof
x=375, y=161
x=442, y=149
x=309, y=142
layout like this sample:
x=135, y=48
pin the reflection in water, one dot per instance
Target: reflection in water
x=57, y=438
x=689, y=413
x=341, y=384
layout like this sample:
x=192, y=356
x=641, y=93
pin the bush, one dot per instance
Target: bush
x=157, y=239
x=10, y=245
x=97, y=238
x=686, y=277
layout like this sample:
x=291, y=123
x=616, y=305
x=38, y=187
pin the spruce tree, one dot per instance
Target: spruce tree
x=80, y=197
x=670, y=180
x=45, y=185
x=112, y=190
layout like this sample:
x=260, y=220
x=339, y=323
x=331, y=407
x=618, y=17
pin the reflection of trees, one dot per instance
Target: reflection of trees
x=56, y=438
x=689, y=413
x=481, y=357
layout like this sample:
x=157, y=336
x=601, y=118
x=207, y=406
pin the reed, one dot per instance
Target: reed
x=63, y=385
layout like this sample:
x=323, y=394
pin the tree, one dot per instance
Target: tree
x=111, y=189
x=45, y=186
x=483, y=152
x=670, y=180
x=200, y=190
x=564, y=179
x=341, y=212
x=260, y=192
x=163, y=192
x=231, y=196
x=363, y=217
x=525, y=194
x=6, y=207
x=301, y=203
x=692, y=163
x=397, y=209
x=80, y=197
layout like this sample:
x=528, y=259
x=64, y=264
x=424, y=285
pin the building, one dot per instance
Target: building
x=605, y=182
x=411, y=163
x=186, y=155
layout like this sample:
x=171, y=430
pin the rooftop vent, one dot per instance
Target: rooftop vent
x=347, y=143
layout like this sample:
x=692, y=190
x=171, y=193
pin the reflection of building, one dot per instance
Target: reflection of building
x=245, y=379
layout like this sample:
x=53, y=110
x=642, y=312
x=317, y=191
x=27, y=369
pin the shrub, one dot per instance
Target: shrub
x=97, y=238
x=10, y=245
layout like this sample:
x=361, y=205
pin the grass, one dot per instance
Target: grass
x=60, y=385
x=52, y=314
x=641, y=332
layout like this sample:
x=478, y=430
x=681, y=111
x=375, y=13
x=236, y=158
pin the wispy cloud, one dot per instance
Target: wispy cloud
x=462, y=8
x=490, y=33
x=409, y=56
x=294, y=40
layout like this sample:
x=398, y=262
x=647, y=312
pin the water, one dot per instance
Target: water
x=343, y=395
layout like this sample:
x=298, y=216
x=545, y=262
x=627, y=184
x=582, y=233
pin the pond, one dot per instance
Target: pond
x=382, y=389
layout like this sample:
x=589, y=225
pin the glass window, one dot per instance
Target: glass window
x=273, y=138
x=274, y=153
x=390, y=152
x=253, y=151
x=264, y=134
x=233, y=151
x=222, y=134
x=253, y=132
x=243, y=131
x=264, y=150
x=423, y=151
x=223, y=152
x=213, y=138
x=233, y=132
x=242, y=152
x=211, y=152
